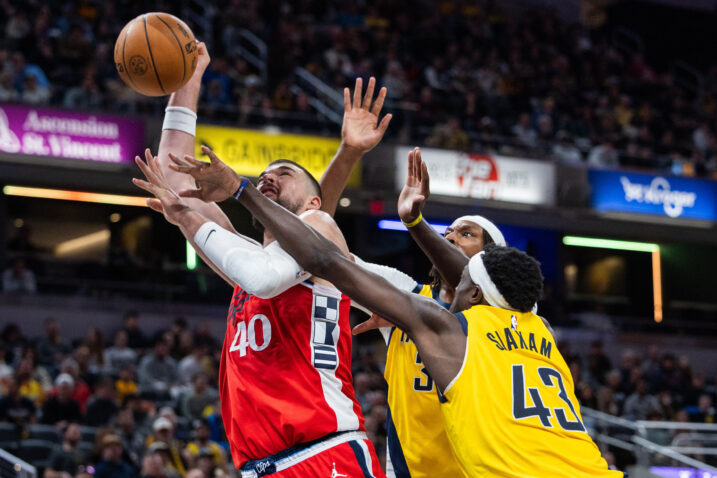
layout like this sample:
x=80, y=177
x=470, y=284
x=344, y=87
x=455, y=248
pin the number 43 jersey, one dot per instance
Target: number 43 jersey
x=511, y=411
x=285, y=372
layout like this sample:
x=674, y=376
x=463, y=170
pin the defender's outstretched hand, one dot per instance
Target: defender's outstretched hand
x=360, y=129
x=416, y=190
x=165, y=199
x=375, y=322
x=215, y=180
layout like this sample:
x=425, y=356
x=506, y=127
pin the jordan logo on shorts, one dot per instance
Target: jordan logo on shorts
x=336, y=474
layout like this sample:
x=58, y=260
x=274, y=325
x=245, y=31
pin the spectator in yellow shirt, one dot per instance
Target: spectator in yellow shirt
x=125, y=384
x=202, y=444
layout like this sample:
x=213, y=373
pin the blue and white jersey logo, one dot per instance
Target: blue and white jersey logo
x=325, y=330
x=673, y=197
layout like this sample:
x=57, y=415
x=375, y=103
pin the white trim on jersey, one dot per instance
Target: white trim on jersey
x=314, y=450
x=367, y=455
x=390, y=472
x=325, y=334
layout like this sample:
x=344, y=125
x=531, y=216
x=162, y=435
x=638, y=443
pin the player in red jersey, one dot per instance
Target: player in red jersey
x=288, y=403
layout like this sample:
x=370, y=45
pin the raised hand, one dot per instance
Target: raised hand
x=416, y=190
x=360, y=129
x=215, y=180
x=165, y=199
x=375, y=322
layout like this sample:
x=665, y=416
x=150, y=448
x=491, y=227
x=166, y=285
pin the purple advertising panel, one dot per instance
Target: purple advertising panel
x=676, y=472
x=69, y=134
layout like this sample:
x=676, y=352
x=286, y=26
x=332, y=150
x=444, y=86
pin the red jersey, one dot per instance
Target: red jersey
x=285, y=373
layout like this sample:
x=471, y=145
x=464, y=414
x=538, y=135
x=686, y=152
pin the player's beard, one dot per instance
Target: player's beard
x=293, y=207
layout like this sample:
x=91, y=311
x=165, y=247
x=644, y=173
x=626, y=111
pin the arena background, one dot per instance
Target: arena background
x=587, y=130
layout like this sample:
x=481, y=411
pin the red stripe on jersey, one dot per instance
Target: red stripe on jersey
x=285, y=374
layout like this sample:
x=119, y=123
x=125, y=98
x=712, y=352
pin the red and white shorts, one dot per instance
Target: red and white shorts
x=339, y=455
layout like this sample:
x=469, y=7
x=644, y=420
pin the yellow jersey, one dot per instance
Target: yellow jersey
x=417, y=442
x=511, y=411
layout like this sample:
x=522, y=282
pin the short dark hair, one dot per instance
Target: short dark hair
x=314, y=183
x=516, y=275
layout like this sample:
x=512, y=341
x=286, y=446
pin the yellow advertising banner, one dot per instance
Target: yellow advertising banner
x=248, y=152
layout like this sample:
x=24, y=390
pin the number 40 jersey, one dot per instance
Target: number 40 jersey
x=285, y=373
x=511, y=411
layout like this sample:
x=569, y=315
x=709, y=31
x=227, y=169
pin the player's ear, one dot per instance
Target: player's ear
x=314, y=203
x=476, y=296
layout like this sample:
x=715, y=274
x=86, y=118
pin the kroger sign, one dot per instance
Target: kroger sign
x=658, y=195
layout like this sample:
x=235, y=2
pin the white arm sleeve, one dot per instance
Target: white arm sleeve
x=261, y=271
x=397, y=278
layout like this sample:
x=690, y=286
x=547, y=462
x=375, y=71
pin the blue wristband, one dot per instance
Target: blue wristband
x=241, y=187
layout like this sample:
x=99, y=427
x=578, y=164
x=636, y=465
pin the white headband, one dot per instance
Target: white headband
x=482, y=279
x=487, y=226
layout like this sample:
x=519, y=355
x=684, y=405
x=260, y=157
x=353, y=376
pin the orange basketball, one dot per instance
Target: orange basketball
x=155, y=54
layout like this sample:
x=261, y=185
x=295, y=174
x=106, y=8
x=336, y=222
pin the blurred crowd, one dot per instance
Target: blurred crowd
x=140, y=405
x=460, y=74
x=657, y=386
x=132, y=404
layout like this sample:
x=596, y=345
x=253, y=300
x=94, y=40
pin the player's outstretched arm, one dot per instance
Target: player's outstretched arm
x=436, y=332
x=449, y=260
x=261, y=271
x=179, y=143
x=360, y=133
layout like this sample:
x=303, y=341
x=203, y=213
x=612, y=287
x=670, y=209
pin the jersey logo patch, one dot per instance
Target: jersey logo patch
x=514, y=322
x=326, y=308
x=325, y=334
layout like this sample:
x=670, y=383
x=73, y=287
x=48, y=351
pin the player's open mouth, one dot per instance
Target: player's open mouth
x=267, y=189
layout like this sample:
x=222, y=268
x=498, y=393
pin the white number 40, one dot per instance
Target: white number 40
x=246, y=335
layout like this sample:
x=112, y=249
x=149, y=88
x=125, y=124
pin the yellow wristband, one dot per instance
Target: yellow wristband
x=414, y=222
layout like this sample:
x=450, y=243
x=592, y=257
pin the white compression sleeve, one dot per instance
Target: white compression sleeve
x=397, y=278
x=261, y=271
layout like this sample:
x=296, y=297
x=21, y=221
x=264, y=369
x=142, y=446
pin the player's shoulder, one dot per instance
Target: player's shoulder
x=325, y=224
x=317, y=217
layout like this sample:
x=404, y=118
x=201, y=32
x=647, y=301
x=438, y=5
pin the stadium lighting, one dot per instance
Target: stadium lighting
x=610, y=244
x=654, y=249
x=394, y=225
x=191, y=257
x=80, y=196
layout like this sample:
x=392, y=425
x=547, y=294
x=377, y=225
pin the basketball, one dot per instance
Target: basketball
x=155, y=54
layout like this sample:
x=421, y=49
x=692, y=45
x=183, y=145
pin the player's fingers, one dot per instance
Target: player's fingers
x=426, y=180
x=368, y=97
x=378, y=104
x=192, y=193
x=416, y=165
x=147, y=186
x=357, y=93
x=155, y=204
x=181, y=168
x=347, y=100
x=363, y=327
x=144, y=168
x=177, y=160
x=191, y=160
x=410, y=165
x=213, y=158
x=155, y=167
x=383, y=125
x=147, y=154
